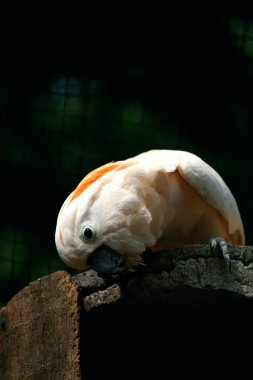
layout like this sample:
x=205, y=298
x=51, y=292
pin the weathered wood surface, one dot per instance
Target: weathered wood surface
x=39, y=336
x=182, y=275
x=54, y=328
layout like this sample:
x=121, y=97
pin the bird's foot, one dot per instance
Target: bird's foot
x=220, y=248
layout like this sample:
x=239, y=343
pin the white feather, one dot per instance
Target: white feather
x=160, y=199
x=205, y=180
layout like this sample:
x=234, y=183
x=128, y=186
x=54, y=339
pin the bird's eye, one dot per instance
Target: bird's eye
x=89, y=233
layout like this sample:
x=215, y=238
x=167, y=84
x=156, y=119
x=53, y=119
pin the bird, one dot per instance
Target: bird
x=157, y=200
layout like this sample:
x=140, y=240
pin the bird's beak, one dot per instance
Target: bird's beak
x=106, y=260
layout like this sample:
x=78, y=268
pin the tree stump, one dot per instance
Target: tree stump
x=39, y=336
x=84, y=327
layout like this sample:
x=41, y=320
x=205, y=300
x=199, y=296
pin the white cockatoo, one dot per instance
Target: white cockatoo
x=157, y=200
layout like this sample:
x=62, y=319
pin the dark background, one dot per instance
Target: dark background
x=95, y=92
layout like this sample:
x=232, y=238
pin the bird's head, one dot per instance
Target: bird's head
x=97, y=226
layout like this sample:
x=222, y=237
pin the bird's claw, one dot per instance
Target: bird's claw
x=220, y=248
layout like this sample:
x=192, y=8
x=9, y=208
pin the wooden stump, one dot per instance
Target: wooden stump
x=40, y=331
x=82, y=327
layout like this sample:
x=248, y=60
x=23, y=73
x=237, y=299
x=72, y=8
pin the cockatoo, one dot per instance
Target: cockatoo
x=156, y=200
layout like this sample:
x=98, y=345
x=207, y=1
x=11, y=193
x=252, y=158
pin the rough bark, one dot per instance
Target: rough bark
x=61, y=327
x=39, y=336
x=183, y=275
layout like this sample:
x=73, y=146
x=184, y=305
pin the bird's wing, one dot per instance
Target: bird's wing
x=203, y=178
x=208, y=183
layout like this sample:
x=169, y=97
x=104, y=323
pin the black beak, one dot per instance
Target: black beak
x=106, y=260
